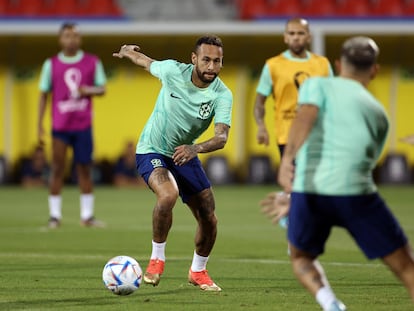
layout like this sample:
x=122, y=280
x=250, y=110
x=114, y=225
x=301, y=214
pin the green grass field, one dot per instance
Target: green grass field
x=61, y=269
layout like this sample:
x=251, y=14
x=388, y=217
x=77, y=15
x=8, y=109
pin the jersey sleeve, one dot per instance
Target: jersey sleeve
x=45, y=81
x=100, y=77
x=223, y=108
x=265, y=85
x=161, y=69
x=311, y=92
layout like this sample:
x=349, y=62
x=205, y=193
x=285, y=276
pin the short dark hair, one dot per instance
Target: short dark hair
x=67, y=25
x=208, y=39
x=361, y=52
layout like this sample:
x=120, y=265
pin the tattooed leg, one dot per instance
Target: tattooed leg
x=308, y=270
x=202, y=206
x=165, y=188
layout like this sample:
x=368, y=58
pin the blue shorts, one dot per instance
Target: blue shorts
x=366, y=217
x=81, y=143
x=191, y=178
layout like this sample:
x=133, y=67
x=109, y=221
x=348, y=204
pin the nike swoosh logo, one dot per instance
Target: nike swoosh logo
x=174, y=96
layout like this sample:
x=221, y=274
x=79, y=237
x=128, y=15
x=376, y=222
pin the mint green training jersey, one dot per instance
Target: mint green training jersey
x=182, y=111
x=346, y=140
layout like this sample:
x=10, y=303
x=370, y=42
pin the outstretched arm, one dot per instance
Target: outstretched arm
x=184, y=153
x=132, y=52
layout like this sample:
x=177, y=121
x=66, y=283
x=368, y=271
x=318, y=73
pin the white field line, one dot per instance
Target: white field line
x=215, y=259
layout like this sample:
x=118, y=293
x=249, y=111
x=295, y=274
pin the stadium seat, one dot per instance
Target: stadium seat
x=62, y=8
x=218, y=170
x=408, y=8
x=352, y=8
x=26, y=8
x=3, y=7
x=103, y=8
x=260, y=170
x=284, y=8
x=395, y=169
x=320, y=8
x=251, y=9
x=387, y=8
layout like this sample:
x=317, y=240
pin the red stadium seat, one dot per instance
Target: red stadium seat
x=61, y=8
x=352, y=8
x=26, y=8
x=251, y=9
x=387, y=7
x=105, y=8
x=321, y=8
x=285, y=8
x=408, y=7
x=3, y=7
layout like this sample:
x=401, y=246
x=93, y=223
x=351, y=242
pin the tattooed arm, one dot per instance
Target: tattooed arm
x=184, y=153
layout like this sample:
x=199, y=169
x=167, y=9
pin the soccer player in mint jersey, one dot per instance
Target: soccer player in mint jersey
x=336, y=139
x=72, y=77
x=191, y=96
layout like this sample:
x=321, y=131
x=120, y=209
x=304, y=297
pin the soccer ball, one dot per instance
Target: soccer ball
x=122, y=275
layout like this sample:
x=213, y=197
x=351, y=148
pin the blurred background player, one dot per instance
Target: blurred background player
x=35, y=170
x=332, y=182
x=125, y=169
x=191, y=95
x=72, y=77
x=281, y=77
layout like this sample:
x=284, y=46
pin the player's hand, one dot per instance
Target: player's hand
x=183, y=154
x=276, y=206
x=408, y=139
x=262, y=136
x=286, y=174
x=125, y=50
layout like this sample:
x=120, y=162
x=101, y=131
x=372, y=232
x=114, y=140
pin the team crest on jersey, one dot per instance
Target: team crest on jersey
x=205, y=110
x=156, y=163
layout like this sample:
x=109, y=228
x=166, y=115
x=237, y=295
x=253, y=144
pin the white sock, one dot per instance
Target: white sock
x=55, y=206
x=199, y=263
x=325, y=297
x=86, y=206
x=158, y=250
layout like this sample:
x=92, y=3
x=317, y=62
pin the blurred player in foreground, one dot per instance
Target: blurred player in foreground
x=190, y=97
x=281, y=77
x=336, y=139
x=73, y=77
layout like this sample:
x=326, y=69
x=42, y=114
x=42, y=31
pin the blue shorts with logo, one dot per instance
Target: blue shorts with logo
x=366, y=217
x=190, y=177
x=81, y=143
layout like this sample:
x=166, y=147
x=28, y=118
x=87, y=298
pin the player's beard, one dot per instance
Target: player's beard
x=201, y=76
x=297, y=49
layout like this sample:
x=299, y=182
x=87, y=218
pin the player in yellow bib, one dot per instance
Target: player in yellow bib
x=281, y=77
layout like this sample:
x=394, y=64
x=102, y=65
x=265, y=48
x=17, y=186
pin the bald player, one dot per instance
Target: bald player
x=336, y=139
x=281, y=77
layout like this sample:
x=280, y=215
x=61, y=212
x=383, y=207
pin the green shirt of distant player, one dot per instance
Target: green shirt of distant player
x=182, y=111
x=346, y=141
